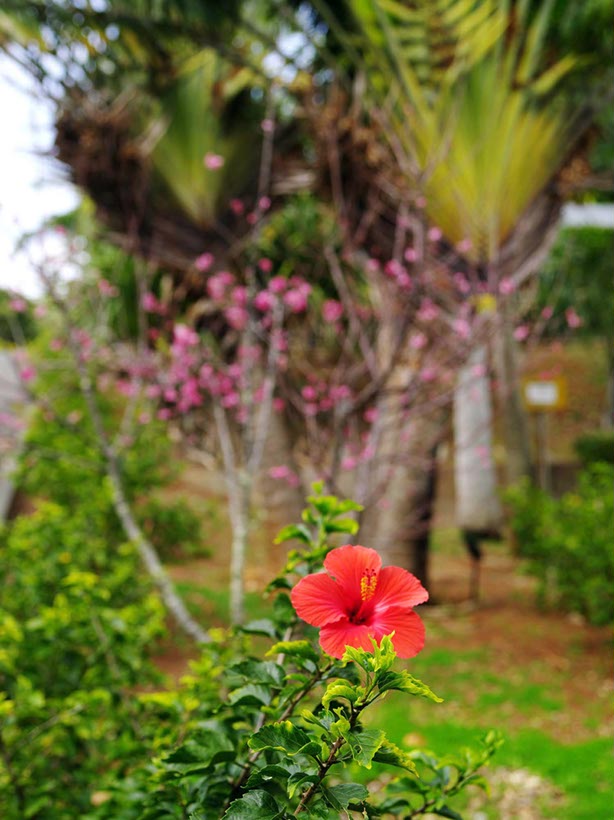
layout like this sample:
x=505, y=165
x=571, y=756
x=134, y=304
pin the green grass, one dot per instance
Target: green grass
x=476, y=699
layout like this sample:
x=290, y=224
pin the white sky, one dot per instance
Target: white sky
x=30, y=186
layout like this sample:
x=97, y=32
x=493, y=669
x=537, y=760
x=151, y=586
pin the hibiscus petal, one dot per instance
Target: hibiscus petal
x=318, y=600
x=348, y=565
x=408, y=638
x=398, y=588
x=336, y=636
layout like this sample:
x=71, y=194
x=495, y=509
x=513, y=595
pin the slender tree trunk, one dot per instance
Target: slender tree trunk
x=399, y=527
x=477, y=500
x=239, y=513
x=515, y=427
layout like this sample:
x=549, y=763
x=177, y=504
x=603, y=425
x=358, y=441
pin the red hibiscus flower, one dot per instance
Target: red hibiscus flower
x=356, y=600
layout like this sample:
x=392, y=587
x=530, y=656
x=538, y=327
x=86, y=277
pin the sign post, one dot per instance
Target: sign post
x=542, y=397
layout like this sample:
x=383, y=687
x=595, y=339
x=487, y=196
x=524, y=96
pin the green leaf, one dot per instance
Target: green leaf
x=364, y=743
x=342, y=525
x=295, y=649
x=342, y=795
x=285, y=737
x=404, y=682
x=251, y=693
x=446, y=811
x=262, y=776
x=261, y=626
x=341, y=689
x=298, y=780
x=255, y=805
x=390, y=754
x=294, y=531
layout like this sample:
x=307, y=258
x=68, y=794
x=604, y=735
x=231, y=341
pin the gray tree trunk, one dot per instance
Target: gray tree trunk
x=477, y=501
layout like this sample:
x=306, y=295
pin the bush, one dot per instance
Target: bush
x=568, y=543
x=76, y=624
x=595, y=447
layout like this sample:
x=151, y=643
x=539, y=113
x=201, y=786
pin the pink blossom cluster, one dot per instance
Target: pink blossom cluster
x=319, y=397
x=398, y=273
x=234, y=299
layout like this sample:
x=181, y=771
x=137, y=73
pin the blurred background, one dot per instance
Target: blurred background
x=249, y=246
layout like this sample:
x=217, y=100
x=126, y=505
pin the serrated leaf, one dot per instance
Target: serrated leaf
x=404, y=682
x=340, y=689
x=295, y=649
x=390, y=754
x=255, y=805
x=262, y=776
x=285, y=737
x=364, y=743
x=298, y=780
x=298, y=532
x=339, y=797
x=342, y=525
x=261, y=626
x=251, y=693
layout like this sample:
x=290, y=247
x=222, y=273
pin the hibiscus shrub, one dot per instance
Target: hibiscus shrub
x=276, y=728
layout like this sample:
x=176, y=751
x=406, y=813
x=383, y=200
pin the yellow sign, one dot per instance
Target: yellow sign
x=544, y=395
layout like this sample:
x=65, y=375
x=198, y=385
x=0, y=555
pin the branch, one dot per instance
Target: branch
x=146, y=550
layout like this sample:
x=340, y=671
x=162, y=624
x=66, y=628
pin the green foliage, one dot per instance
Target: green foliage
x=15, y=328
x=76, y=624
x=595, y=447
x=578, y=274
x=173, y=527
x=567, y=543
x=284, y=735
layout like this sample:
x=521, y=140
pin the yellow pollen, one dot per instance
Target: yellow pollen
x=368, y=583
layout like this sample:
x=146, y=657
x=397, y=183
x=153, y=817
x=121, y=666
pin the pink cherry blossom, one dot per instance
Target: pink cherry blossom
x=265, y=265
x=264, y=301
x=107, y=289
x=428, y=311
x=264, y=203
x=417, y=341
x=239, y=295
x=204, y=262
x=309, y=393
x=213, y=162
x=18, y=305
x=434, y=234
x=461, y=282
x=278, y=284
x=370, y=415
x=507, y=285
x=573, y=320
x=282, y=472
x=237, y=317
x=332, y=310
x=237, y=207
x=521, y=333
x=27, y=374
x=296, y=300
x=547, y=312
x=462, y=328
x=149, y=303
x=410, y=255
x=428, y=374
x=278, y=404
x=464, y=245
x=185, y=336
